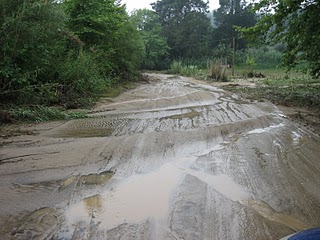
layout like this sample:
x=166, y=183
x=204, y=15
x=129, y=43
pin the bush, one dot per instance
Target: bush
x=81, y=81
x=176, y=67
x=28, y=45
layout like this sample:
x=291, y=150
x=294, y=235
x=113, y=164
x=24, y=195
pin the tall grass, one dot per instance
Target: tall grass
x=213, y=71
x=217, y=72
x=177, y=67
x=264, y=58
x=211, y=68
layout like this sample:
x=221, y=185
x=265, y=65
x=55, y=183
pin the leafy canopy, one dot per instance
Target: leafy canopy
x=156, y=48
x=65, y=52
x=185, y=25
x=29, y=42
x=231, y=14
x=294, y=23
x=105, y=28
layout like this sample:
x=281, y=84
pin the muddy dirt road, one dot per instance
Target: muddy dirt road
x=172, y=159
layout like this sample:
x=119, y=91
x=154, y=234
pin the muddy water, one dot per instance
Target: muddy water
x=171, y=159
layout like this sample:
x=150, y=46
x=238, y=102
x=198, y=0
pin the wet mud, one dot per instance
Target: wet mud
x=174, y=158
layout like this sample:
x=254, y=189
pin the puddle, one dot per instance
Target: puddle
x=138, y=198
x=145, y=196
x=223, y=184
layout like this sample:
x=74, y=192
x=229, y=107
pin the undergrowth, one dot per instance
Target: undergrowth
x=37, y=114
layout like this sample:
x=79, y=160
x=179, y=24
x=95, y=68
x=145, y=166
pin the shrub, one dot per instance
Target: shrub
x=82, y=81
x=189, y=71
x=176, y=67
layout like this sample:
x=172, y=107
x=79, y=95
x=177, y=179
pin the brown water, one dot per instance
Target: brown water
x=144, y=196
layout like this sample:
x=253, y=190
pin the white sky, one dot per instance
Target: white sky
x=138, y=4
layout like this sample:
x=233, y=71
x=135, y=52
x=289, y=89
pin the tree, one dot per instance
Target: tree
x=156, y=47
x=105, y=29
x=230, y=14
x=29, y=42
x=94, y=21
x=186, y=26
x=64, y=52
x=294, y=23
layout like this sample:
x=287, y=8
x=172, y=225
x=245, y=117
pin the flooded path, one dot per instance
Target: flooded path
x=173, y=159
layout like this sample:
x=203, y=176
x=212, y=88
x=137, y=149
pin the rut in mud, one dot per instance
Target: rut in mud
x=171, y=159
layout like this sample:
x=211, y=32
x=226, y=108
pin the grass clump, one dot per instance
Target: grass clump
x=217, y=72
x=176, y=67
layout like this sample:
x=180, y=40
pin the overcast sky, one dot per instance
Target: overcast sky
x=137, y=4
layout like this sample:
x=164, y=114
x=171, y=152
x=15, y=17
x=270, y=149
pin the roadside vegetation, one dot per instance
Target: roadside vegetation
x=62, y=55
x=38, y=114
x=288, y=89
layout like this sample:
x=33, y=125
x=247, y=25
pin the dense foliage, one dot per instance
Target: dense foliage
x=186, y=26
x=29, y=50
x=294, y=23
x=156, y=48
x=231, y=14
x=64, y=52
